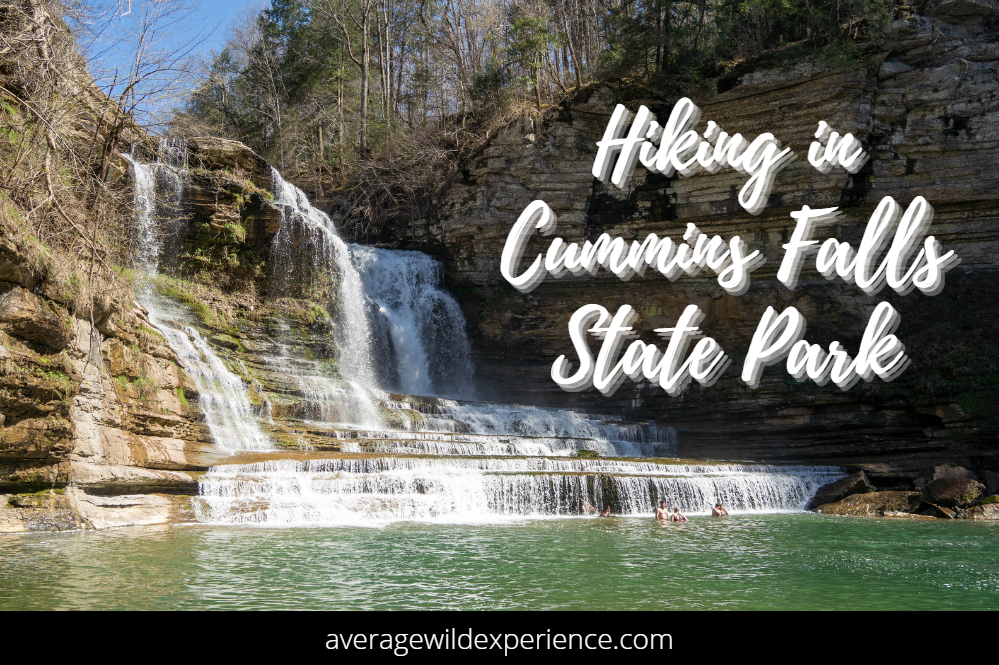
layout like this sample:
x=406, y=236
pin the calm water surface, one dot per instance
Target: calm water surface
x=785, y=561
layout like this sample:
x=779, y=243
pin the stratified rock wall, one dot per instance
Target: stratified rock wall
x=95, y=427
x=925, y=107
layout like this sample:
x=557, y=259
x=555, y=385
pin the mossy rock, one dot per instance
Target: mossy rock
x=226, y=341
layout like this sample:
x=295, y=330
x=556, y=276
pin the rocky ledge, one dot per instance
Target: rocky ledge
x=949, y=491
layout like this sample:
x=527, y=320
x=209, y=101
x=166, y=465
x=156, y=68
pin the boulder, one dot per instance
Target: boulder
x=991, y=481
x=983, y=511
x=874, y=504
x=940, y=512
x=951, y=471
x=855, y=483
x=954, y=491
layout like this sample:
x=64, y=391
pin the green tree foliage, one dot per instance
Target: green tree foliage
x=373, y=95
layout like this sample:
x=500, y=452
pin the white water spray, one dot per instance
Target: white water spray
x=376, y=491
x=426, y=325
x=221, y=394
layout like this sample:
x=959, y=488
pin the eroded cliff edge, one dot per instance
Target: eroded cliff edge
x=925, y=106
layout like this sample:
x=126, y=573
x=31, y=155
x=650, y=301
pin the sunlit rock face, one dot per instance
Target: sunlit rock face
x=924, y=106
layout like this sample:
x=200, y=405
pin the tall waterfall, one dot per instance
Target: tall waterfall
x=308, y=234
x=425, y=323
x=396, y=328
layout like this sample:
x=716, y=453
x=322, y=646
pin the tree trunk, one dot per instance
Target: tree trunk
x=364, y=81
x=536, y=74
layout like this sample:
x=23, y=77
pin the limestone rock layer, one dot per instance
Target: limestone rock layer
x=925, y=108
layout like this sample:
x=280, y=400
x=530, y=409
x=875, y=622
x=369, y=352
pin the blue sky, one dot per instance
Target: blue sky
x=209, y=14
x=196, y=30
x=220, y=13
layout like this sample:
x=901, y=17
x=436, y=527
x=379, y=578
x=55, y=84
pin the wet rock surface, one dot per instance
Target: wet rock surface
x=875, y=504
x=855, y=483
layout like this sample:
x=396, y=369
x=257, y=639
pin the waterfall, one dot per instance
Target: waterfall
x=150, y=210
x=353, y=332
x=379, y=490
x=324, y=399
x=395, y=402
x=425, y=323
x=609, y=435
x=397, y=329
x=222, y=396
x=390, y=309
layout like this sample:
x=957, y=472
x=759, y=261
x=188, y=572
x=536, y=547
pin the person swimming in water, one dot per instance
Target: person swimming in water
x=661, y=512
x=719, y=511
x=588, y=508
x=605, y=512
x=677, y=516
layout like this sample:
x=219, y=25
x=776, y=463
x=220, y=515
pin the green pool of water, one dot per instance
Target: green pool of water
x=798, y=561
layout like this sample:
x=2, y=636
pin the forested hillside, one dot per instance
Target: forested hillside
x=372, y=103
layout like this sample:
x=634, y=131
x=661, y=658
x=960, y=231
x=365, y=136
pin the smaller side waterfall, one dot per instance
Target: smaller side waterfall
x=159, y=192
x=222, y=395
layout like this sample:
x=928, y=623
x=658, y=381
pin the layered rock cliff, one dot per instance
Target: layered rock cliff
x=96, y=428
x=99, y=426
x=924, y=106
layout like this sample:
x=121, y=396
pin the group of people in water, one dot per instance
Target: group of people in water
x=662, y=513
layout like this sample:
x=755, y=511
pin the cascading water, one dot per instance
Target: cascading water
x=399, y=294
x=303, y=224
x=425, y=323
x=222, y=396
x=324, y=399
x=428, y=453
x=606, y=435
x=159, y=189
x=379, y=490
